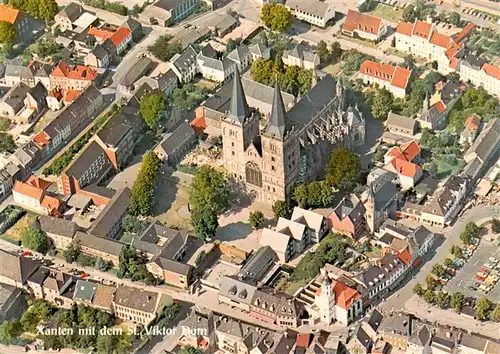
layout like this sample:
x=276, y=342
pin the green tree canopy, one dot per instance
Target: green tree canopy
x=209, y=189
x=7, y=143
x=343, y=168
x=281, y=210
x=438, y=270
x=276, y=17
x=256, y=219
x=418, y=289
x=495, y=315
x=165, y=48
x=457, y=301
x=484, y=307
x=9, y=331
x=7, y=32
x=471, y=231
x=35, y=239
x=190, y=350
x=495, y=225
x=205, y=222
x=380, y=101
x=142, y=199
x=150, y=107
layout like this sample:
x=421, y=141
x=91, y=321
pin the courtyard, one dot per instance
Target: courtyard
x=387, y=12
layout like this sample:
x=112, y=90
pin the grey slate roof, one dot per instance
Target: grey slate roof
x=111, y=214
x=384, y=190
x=16, y=95
x=183, y=61
x=239, y=53
x=400, y=121
x=278, y=125
x=140, y=69
x=236, y=290
x=172, y=266
x=259, y=263
x=473, y=341
x=173, y=140
x=131, y=23
x=23, y=72
x=422, y=336
x=238, y=108
x=487, y=141
x=73, y=11
x=102, y=244
x=58, y=226
x=350, y=207
x=83, y=162
x=258, y=49
x=314, y=7
x=375, y=320
x=100, y=52
x=301, y=51
x=16, y=268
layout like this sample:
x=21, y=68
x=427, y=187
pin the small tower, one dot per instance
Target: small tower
x=370, y=208
x=326, y=301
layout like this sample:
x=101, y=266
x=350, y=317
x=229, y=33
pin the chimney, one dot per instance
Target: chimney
x=429, y=20
x=448, y=335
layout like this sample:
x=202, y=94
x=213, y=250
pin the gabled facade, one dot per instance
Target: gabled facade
x=364, y=26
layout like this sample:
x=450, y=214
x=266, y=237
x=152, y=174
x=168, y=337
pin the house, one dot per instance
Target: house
x=103, y=298
x=301, y=56
x=360, y=342
x=119, y=136
x=234, y=292
x=70, y=122
x=122, y=38
x=316, y=12
x=471, y=130
x=472, y=344
x=165, y=82
x=364, y=26
x=380, y=203
x=139, y=305
x=259, y=51
x=296, y=231
x=26, y=157
x=258, y=265
x=59, y=231
x=8, y=174
x=401, y=125
x=13, y=101
x=13, y=303
x=175, y=145
x=168, y=12
x=67, y=78
x=164, y=249
x=393, y=78
x=32, y=195
x=315, y=224
x=271, y=307
x=143, y=67
x=54, y=286
x=396, y=329
x=241, y=56
x=68, y=15
x=433, y=116
x=224, y=24
x=280, y=243
x=95, y=246
x=445, y=340
x=486, y=144
x=185, y=65
x=212, y=66
x=17, y=18
x=348, y=217
x=108, y=223
x=135, y=28
x=24, y=104
x=99, y=57
x=29, y=75
x=16, y=270
x=420, y=340
x=399, y=160
x=90, y=167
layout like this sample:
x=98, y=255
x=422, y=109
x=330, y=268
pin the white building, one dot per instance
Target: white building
x=302, y=57
x=315, y=12
x=364, y=26
x=393, y=78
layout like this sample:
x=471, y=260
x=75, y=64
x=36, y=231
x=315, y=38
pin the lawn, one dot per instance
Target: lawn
x=332, y=69
x=387, y=12
x=210, y=85
x=292, y=289
x=444, y=169
x=127, y=238
x=14, y=233
x=363, y=42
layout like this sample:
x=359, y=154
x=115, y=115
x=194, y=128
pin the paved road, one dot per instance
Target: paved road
x=477, y=214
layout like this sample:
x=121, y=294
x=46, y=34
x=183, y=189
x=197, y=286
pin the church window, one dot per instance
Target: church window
x=273, y=148
x=232, y=144
x=253, y=174
x=272, y=168
x=272, y=158
x=274, y=190
x=232, y=153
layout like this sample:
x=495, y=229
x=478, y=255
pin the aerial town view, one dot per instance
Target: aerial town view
x=250, y=176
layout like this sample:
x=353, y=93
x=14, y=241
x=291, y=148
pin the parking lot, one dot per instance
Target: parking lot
x=466, y=275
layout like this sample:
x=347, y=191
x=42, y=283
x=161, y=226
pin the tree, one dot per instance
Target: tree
x=471, y=231
x=442, y=300
x=495, y=315
x=484, y=308
x=133, y=225
x=209, y=189
x=7, y=143
x=113, y=344
x=381, y=103
x=343, y=168
x=101, y=264
x=71, y=253
x=164, y=49
x=430, y=282
x=256, y=219
x=190, y=350
x=438, y=270
x=432, y=168
x=457, y=301
x=276, y=17
x=454, y=77
x=454, y=18
x=9, y=330
x=418, y=289
x=35, y=239
x=151, y=106
x=409, y=14
x=335, y=52
x=4, y=124
x=7, y=32
x=205, y=222
x=495, y=225
x=429, y=296
x=456, y=251
x=281, y=210
x=409, y=62
x=47, y=9
x=323, y=52
x=448, y=263
x=142, y=198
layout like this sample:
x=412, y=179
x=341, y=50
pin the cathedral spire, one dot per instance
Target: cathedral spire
x=278, y=123
x=426, y=104
x=238, y=109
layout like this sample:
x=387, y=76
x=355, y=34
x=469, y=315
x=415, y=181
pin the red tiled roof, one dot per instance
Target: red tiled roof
x=303, y=340
x=344, y=295
x=55, y=93
x=492, y=70
x=404, y=28
x=362, y=22
x=50, y=202
x=439, y=39
x=416, y=262
x=8, y=13
x=440, y=107
x=453, y=49
x=464, y=33
x=61, y=70
x=120, y=35
x=473, y=122
x=28, y=190
x=38, y=182
x=71, y=95
x=422, y=29
x=82, y=72
x=401, y=77
x=199, y=125
x=405, y=257
x=99, y=33
x=410, y=150
x=453, y=63
x=404, y=167
x=41, y=139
